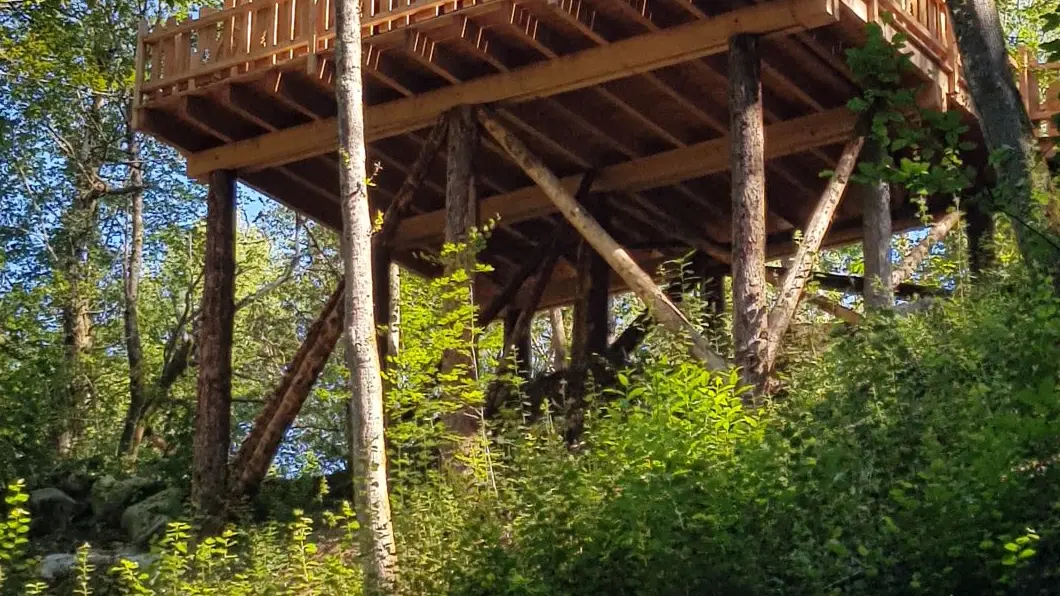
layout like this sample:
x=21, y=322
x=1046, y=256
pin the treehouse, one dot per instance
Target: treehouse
x=628, y=99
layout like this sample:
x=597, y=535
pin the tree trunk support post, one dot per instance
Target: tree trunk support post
x=876, y=236
x=214, y=388
x=616, y=256
x=461, y=203
x=747, y=155
x=589, y=331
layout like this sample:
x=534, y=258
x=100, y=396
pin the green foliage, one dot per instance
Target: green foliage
x=919, y=149
x=916, y=456
x=14, y=532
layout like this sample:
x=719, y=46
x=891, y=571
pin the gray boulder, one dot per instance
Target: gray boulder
x=111, y=496
x=60, y=565
x=150, y=516
x=52, y=509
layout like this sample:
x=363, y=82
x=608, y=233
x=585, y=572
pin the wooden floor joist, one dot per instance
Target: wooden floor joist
x=643, y=53
x=690, y=162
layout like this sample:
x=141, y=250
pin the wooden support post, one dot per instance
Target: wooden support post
x=589, y=331
x=417, y=174
x=937, y=232
x=460, y=217
x=980, y=228
x=558, y=338
x=517, y=341
x=616, y=256
x=381, y=263
x=796, y=277
x=216, y=321
x=747, y=154
x=257, y=451
x=876, y=236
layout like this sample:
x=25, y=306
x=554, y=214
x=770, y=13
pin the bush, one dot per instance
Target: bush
x=916, y=456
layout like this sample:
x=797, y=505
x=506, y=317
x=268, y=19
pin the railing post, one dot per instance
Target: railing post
x=311, y=60
x=141, y=50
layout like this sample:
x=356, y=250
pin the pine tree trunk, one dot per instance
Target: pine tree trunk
x=255, y=455
x=368, y=457
x=747, y=152
x=1023, y=185
x=214, y=390
x=133, y=266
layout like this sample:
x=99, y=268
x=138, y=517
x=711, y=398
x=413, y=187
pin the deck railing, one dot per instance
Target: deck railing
x=252, y=35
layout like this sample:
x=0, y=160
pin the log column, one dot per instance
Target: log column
x=214, y=388
x=876, y=236
x=460, y=217
x=747, y=152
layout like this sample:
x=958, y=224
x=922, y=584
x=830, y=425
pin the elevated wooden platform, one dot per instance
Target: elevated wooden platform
x=634, y=89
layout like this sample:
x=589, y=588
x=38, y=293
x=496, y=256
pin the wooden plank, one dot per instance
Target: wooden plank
x=594, y=66
x=661, y=169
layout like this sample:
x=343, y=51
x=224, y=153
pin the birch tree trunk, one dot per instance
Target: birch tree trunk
x=1023, y=177
x=368, y=457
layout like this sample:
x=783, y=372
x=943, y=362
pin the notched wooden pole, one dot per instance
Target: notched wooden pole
x=623, y=264
x=796, y=277
x=920, y=252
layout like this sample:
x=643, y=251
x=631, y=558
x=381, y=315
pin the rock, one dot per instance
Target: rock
x=146, y=518
x=51, y=509
x=111, y=496
x=56, y=566
x=76, y=484
x=60, y=565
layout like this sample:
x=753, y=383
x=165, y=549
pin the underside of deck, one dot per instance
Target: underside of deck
x=634, y=90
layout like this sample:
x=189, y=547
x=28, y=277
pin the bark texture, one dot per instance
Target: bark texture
x=368, y=458
x=747, y=152
x=618, y=258
x=876, y=237
x=460, y=218
x=1023, y=178
x=257, y=451
x=589, y=330
x=214, y=389
x=133, y=267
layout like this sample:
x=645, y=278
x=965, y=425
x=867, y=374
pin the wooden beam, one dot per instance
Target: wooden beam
x=920, y=252
x=661, y=307
x=661, y=169
x=417, y=174
x=593, y=66
x=798, y=275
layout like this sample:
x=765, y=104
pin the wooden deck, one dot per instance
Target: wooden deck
x=634, y=89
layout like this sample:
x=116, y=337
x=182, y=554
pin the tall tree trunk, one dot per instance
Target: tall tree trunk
x=255, y=455
x=76, y=239
x=558, y=338
x=213, y=416
x=368, y=457
x=133, y=266
x=747, y=153
x=1023, y=178
x=980, y=227
x=876, y=237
